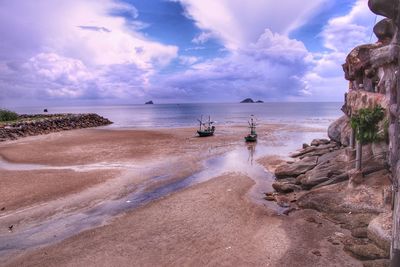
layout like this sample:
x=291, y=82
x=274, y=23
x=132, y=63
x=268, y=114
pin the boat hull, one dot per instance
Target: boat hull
x=250, y=138
x=205, y=133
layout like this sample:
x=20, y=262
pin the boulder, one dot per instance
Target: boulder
x=384, y=30
x=340, y=130
x=366, y=251
x=296, y=168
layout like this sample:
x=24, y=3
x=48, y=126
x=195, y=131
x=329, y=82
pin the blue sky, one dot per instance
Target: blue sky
x=130, y=51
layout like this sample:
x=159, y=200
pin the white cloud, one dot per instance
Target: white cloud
x=237, y=23
x=63, y=43
x=202, y=38
x=188, y=60
x=340, y=36
x=345, y=32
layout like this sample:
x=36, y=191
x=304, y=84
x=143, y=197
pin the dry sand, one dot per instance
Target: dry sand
x=212, y=223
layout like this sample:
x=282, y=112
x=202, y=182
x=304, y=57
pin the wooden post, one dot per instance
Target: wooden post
x=358, y=156
x=352, y=139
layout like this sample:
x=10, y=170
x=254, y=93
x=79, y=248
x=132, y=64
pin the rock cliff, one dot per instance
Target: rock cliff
x=323, y=175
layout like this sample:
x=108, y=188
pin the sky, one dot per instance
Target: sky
x=177, y=51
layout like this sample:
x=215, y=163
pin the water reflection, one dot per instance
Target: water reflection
x=251, y=147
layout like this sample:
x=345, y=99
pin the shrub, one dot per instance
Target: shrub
x=6, y=115
x=365, y=124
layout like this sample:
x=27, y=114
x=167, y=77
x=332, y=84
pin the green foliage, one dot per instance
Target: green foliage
x=6, y=115
x=365, y=124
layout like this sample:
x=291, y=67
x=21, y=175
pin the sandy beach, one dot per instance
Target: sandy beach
x=137, y=197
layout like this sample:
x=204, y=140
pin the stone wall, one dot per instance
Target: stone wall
x=29, y=125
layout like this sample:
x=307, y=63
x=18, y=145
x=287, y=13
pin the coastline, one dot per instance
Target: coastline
x=155, y=153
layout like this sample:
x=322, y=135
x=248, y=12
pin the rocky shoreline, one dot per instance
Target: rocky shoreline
x=30, y=125
x=318, y=177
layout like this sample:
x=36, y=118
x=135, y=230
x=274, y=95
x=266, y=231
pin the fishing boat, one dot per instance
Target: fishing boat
x=252, y=137
x=206, y=128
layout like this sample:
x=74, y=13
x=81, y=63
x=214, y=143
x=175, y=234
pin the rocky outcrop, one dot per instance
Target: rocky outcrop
x=29, y=125
x=149, y=102
x=318, y=179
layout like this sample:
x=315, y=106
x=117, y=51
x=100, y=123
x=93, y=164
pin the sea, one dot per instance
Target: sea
x=313, y=114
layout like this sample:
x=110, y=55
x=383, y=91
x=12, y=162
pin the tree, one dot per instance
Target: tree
x=365, y=125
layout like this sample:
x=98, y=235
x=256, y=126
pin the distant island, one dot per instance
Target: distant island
x=149, y=102
x=249, y=100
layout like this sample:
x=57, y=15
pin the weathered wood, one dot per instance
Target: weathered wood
x=359, y=156
x=352, y=139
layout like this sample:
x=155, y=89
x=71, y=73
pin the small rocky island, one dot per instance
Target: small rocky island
x=149, y=102
x=249, y=100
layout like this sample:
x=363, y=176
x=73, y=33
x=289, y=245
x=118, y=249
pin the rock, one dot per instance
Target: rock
x=339, y=131
x=149, y=102
x=334, y=180
x=305, y=145
x=384, y=30
x=329, y=166
x=285, y=187
x=296, y=168
x=337, y=155
x=383, y=8
x=319, y=150
x=247, y=100
x=259, y=101
x=379, y=151
x=380, y=230
x=366, y=251
x=340, y=198
x=317, y=142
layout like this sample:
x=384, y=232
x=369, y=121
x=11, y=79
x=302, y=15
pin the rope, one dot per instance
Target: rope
x=372, y=31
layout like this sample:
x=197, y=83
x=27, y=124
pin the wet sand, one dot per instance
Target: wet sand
x=214, y=222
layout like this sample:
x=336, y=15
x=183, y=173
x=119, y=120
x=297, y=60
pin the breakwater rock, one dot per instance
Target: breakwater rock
x=29, y=125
